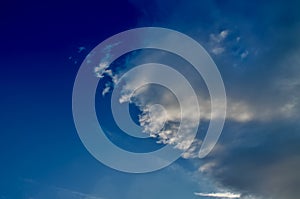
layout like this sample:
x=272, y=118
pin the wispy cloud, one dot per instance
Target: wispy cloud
x=60, y=191
x=218, y=50
x=216, y=41
x=77, y=194
x=219, y=195
x=217, y=38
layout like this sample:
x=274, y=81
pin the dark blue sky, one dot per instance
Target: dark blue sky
x=38, y=137
x=255, y=45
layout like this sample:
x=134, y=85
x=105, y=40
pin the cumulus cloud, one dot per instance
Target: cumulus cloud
x=169, y=116
x=163, y=123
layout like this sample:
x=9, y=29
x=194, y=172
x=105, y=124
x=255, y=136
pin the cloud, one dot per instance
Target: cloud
x=218, y=38
x=169, y=117
x=244, y=54
x=207, y=167
x=106, y=89
x=40, y=190
x=66, y=193
x=258, y=160
x=80, y=49
x=258, y=57
x=219, y=195
x=218, y=50
x=164, y=124
x=216, y=42
x=102, y=68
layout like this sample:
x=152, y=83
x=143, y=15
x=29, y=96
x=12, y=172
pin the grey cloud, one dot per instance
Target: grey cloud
x=259, y=157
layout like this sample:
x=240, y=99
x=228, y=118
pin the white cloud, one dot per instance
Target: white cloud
x=106, y=89
x=224, y=34
x=164, y=124
x=101, y=69
x=219, y=195
x=217, y=38
x=216, y=41
x=218, y=50
x=207, y=167
x=244, y=54
x=193, y=150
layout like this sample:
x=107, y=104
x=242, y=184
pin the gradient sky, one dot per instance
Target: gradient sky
x=256, y=47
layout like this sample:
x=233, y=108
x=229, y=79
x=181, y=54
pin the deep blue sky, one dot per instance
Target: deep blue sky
x=41, y=155
x=38, y=137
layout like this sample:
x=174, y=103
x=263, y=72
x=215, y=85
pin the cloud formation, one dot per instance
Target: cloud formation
x=219, y=195
x=258, y=57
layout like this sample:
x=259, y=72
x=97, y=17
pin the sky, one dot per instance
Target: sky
x=254, y=44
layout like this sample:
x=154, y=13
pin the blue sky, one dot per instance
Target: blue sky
x=255, y=46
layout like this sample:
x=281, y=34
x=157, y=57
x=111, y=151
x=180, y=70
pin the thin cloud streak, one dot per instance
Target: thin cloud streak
x=78, y=194
x=219, y=195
